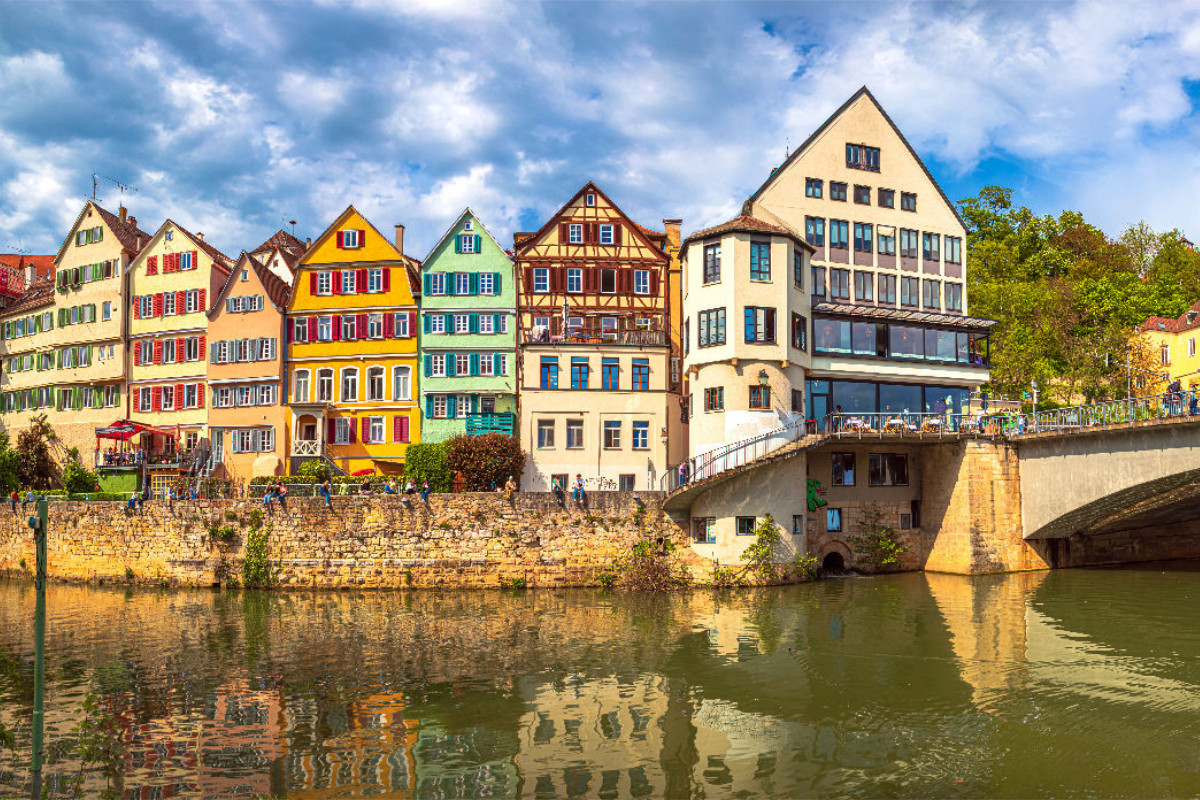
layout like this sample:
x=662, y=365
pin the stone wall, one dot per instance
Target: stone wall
x=464, y=540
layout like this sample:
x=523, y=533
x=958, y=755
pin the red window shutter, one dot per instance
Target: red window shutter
x=137, y=308
x=360, y=326
x=152, y=265
x=312, y=329
x=362, y=237
x=558, y=279
x=353, y=430
x=203, y=302
x=180, y=301
x=412, y=323
x=335, y=280
x=387, y=279
x=158, y=351
x=527, y=279
x=616, y=233
x=563, y=233
x=290, y=325
x=178, y=396
x=360, y=281
x=389, y=325
x=179, y=350
x=156, y=398
x=340, y=239
x=202, y=338
x=331, y=431
x=400, y=428
x=366, y=433
x=312, y=283
x=404, y=430
x=195, y=260
x=158, y=304
x=137, y=354
x=591, y=232
x=200, y=393
x=337, y=328
x=654, y=283
x=591, y=280
x=625, y=281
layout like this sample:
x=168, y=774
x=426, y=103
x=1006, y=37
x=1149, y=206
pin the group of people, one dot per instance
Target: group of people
x=577, y=492
x=120, y=458
x=276, y=492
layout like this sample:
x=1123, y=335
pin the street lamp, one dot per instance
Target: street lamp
x=763, y=378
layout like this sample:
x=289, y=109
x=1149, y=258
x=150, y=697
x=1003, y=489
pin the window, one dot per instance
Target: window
x=908, y=201
x=859, y=156
x=325, y=386
x=437, y=283
x=746, y=526
x=350, y=238
x=606, y=234
x=147, y=356
x=341, y=430
x=375, y=326
x=608, y=281
x=760, y=397
x=843, y=469
x=541, y=280
x=932, y=294
x=887, y=198
x=167, y=398
x=641, y=375
x=349, y=327
x=814, y=231
x=106, y=311
x=487, y=282
x=145, y=401
x=375, y=280
x=864, y=286
x=818, y=282
x=813, y=187
x=760, y=325
x=640, y=435
x=833, y=520
x=574, y=434
x=462, y=283
x=439, y=406
x=887, y=290
x=712, y=263
x=300, y=385
x=549, y=373
x=401, y=383
x=953, y=250
x=862, y=195
x=704, y=530
x=375, y=383
x=797, y=401
x=839, y=233
x=373, y=431
x=348, y=281
x=579, y=373
x=111, y=396
x=954, y=299
x=799, y=332
x=575, y=233
x=610, y=374
x=714, y=398
x=930, y=246
x=710, y=327
x=545, y=429
x=462, y=364
x=612, y=435
x=760, y=261
x=839, y=284
x=886, y=241
x=909, y=292
x=1191, y=342
x=574, y=279
x=641, y=281
x=192, y=301
x=437, y=323
x=837, y=191
x=797, y=267
x=168, y=351
x=350, y=385
x=462, y=323
x=591, y=199
x=887, y=469
x=862, y=237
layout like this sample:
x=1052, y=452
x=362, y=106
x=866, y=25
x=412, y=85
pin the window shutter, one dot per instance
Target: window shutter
x=195, y=259
x=563, y=233
x=654, y=282
x=180, y=302
x=497, y=364
x=353, y=430
x=179, y=350
x=449, y=323
x=478, y=242
x=389, y=325
x=458, y=243
x=625, y=277
x=591, y=280
x=340, y=239
x=89, y=354
x=592, y=233
x=360, y=281
x=450, y=365
x=157, y=305
x=203, y=300
x=428, y=404
x=474, y=361
x=616, y=233
x=152, y=265
x=312, y=329
x=137, y=354
x=290, y=325
x=137, y=310
x=200, y=394
x=201, y=350
x=495, y=283
x=366, y=431
x=412, y=324
x=312, y=283
x=178, y=396
x=473, y=283
x=473, y=323
x=360, y=326
x=331, y=431
x=496, y=322
x=474, y=404
x=335, y=281
x=400, y=428
x=428, y=366
x=336, y=325
x=362, y=238
x=451, y=406
x=387, y=279
x=427, y=284
x=527, y=280
x=156, y=398
x=427, y=323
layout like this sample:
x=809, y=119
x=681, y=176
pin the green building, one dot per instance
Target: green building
x=468, y=335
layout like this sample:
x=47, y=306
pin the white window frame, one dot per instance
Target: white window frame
x=145, y=399
x=348, y=373
x=462, y=283
x=325, y=328
x=466, y=243
x=462, y=364
x=350, y=239
x=400, y=325
x=486, y=323
x=375, y=280
x=439, y=406
x=324, y=283
x=641, y=281
x=606, y=234
x=341, y=430
x=301, y=388
x=575, y=233
x=487, y=283
x=324, y=386
x=374, y=374
x=191, y=348
x=349, y=276
x=438, y=365
x=437, y=283
x=401, y=383
x=376, y=424
x=375, y=326
x=541, y=280
x=462, y=323
x=437, y=323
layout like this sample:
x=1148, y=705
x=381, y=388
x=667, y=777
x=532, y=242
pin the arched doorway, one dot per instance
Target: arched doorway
x=833, y=562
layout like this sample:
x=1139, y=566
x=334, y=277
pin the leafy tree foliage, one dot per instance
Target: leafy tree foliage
x=486, y=462
x=1068, y=298
x=428, y=461
x=78, y=479
x=10, y=472
x=36, y=468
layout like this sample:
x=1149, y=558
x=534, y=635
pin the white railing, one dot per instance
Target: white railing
x=734, y=455
x=1153, y=408
x=305, y=447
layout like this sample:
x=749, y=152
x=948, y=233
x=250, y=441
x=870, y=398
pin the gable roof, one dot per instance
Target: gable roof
x=290, y=248
x=466, y=212
x=1177, y=325
x=219, y=259
x=38, y=295
x=43, y=265
x=862, y=92
x=645, y=234
x=131, y=237
x=748, y=224
x=276, y=290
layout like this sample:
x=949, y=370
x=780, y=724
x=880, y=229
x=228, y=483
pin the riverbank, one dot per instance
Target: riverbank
x=452, y=541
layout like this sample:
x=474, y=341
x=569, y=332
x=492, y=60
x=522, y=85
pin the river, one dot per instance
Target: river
x=1077, y=683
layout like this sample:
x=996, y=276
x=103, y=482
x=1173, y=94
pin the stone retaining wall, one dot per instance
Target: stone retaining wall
x=453, y=541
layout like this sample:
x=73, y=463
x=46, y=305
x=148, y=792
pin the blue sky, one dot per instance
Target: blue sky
x=232, y=118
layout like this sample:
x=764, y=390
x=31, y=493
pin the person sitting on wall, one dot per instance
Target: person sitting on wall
x=366, y=487
x=510, y=488
x=281, y=492
x=410, y=487
x=556, y=487
x=578, y=494
x=425, y=491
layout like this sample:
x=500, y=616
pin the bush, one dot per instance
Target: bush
x=486, y=462
x=256, y=567
x=427, y=461
x=78, y=479
x=651, y=567
x=314, y=471
x=876, y=542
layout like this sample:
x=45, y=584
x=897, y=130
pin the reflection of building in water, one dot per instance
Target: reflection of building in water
x=366, y=743
x=227, y=753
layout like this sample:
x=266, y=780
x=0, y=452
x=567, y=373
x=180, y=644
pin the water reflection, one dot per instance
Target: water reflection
x=1027, y=685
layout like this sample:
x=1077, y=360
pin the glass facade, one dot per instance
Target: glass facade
x=896, y=342
x=870, y=397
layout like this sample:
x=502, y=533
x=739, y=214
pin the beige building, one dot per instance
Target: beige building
x=72, y=366
x=247, y=350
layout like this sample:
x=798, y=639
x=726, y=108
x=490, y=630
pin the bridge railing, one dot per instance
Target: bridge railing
x=1115, y=412
x=737, y=454
x=919, y=425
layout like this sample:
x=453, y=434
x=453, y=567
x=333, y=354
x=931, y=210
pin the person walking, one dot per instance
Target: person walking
x=327, y=494
x=683, y=473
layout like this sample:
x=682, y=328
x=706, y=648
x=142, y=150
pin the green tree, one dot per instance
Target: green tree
x=486, y=462
x=36, y=468
x=78, y=479
x=428, y=461
x=10, y=472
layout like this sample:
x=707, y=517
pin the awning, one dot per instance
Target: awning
x=124, y=429
x=903, y=315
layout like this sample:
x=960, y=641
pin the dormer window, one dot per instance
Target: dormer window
x=169, y=235
x=467, y=225
x=859, y=156
x=1191, y=317
x=591, y=199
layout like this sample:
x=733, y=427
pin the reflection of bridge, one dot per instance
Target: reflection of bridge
x=1105, y=482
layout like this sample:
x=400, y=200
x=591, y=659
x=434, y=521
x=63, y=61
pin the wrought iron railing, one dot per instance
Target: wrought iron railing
x=1153, y=408
x=733, y=455
x=917, y=425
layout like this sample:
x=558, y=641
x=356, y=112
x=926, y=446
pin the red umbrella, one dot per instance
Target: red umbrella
x=367, y=471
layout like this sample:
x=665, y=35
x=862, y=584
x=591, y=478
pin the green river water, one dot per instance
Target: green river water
x=1078, y=683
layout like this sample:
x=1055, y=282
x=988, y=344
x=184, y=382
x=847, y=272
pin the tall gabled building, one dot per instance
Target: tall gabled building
x=600, y=384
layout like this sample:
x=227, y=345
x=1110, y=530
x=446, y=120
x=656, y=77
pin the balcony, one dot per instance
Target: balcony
x=503, y=422
x=593, y=334
x=307, y=447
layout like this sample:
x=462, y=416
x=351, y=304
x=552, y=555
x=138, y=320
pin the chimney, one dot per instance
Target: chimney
x=308, y=242
x=131, y=221
x=200, y=235
x=121, y=212
x=31, y=275
x=672, y=226
x=400, y=238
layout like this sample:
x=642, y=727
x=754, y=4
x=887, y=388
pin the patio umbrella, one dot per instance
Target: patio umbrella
x=361, y=472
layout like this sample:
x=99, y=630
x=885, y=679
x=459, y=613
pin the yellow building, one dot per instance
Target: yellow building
x=1169, y=346
x=353, y=349
x=171, y=283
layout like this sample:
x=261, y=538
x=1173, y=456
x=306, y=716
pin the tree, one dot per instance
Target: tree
x=10, y=472
x=36, y=467
x=487, y=461
x=78, y=479
x=427, y=461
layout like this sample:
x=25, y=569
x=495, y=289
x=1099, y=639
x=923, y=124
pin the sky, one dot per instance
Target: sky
x=233, y=118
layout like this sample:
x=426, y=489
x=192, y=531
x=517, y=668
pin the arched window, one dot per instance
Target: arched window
x=401, y=383
x=376, y=377
x=350, y=385
x=325, y=386
x=300, y=386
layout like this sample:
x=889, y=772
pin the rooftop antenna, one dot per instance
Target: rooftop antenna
x=787, y=148
x=96, y=177
x=15, y=248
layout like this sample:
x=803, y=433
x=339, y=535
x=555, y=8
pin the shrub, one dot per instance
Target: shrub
x=223, y=533
x=875, y=542
x=427, y=461
x=256, y=567
x=312, y=472
x=516, y=584
x=77, y=478
x=486, y=462
x=650, y=567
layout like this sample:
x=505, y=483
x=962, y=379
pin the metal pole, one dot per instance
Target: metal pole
x=39, y=648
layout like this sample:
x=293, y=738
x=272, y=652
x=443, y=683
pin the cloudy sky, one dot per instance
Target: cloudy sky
x=232, y=118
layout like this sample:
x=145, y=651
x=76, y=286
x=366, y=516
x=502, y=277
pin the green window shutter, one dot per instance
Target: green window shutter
x=474, y=404
x=496, y=322
x=450, y=365
x=496, y=360
x=474, y=359
x=473, y=323
x=428, y=405
x=89, y=355
x=427, y=321
x=451, y=284
x=428, y=366
x=60, y=359
x=495, y=283
x=478, y=242
x=473, y=283
x=428, y=284
x=77, y=396
x=458, y=242
x=451, y=406
x=449, y=323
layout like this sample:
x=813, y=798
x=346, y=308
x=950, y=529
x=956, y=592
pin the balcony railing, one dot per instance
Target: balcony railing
x=306, y=447
x=136, y=458
x=634, y=336
x=491, y=423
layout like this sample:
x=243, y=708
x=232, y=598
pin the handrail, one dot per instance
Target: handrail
x=1150, y=408
x=732, y=455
